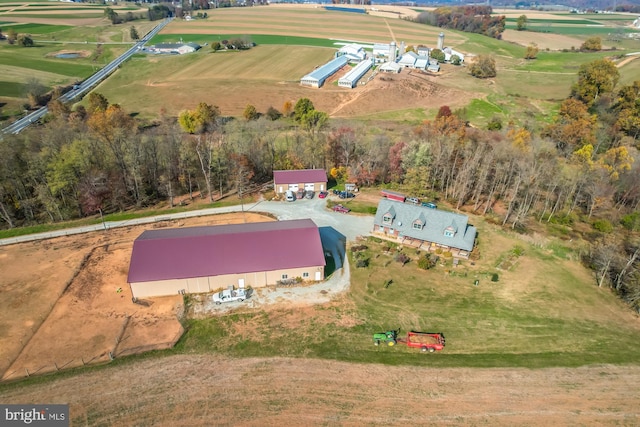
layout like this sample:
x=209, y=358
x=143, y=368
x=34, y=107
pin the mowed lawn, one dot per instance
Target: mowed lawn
x=544, y=310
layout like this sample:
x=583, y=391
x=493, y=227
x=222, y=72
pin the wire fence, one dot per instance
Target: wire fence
x=26, y=337
x=76, y=362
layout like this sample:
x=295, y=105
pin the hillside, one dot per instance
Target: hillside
x=192, y=390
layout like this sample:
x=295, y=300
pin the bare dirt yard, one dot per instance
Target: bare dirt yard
x=189, y=390
x=66, y=302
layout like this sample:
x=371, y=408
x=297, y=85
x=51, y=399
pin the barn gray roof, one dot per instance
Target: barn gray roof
x=180, y=253
x=435, y=222
x=327, y=69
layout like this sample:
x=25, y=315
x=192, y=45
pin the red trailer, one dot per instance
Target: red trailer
x=393, y=195
x=425, y=341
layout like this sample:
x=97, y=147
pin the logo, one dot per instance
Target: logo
x=35, y=415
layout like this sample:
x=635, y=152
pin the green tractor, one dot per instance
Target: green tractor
x=390, y=337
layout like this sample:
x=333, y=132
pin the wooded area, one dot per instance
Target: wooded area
x=580, y=168
x=471, y=19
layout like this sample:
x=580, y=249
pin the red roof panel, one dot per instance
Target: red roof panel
x=225, y=249
x=300, y=176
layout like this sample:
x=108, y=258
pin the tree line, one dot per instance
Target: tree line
x=471, y=19
x=581, y=168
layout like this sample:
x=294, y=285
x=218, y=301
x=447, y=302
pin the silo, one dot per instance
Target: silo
x=441, y=41
x=403, y=49
x=392, y=52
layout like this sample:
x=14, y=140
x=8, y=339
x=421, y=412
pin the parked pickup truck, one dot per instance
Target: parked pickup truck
x=230, y=295
x=341, y=209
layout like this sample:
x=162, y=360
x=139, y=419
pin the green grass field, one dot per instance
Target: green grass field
x=70, y=16
x=35, y=29
x=573, y=30
x=260, y=39
x=543, y=311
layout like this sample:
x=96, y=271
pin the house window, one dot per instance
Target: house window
x=284, y=276
x=386, y=219
x=305, y=274
x=381, y=229
x=417, y=226
x=449, y=233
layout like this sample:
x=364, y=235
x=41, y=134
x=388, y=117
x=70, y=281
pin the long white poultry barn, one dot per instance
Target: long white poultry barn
x=352, y=77
x=320, y=74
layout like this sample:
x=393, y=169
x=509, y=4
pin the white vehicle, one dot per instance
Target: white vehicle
x=230, y=295
x=290, y=196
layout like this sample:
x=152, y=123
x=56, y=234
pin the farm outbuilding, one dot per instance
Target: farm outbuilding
x=423, y=51
x=390, y=67
x=351, y=78
x=408, y=59
x=449, y=53
x=204, y=259
x=320, y=74
x=422, y=62
x=424, y=227
x=354, y=52
x=300, y=179
x=180, y=48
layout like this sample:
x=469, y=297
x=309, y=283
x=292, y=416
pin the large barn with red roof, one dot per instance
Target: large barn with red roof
x=204, y=259
x=300, y=179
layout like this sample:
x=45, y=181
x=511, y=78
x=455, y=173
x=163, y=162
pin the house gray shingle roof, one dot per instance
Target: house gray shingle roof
x=181, y=253
x=435, y=222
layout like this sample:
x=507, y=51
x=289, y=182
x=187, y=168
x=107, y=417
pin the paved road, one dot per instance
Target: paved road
x=347, y=225
x=79, y=90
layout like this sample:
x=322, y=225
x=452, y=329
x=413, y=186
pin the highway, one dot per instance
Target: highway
x=80, y=90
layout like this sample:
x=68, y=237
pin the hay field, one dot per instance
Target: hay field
x=60, y=13
x=309, y=21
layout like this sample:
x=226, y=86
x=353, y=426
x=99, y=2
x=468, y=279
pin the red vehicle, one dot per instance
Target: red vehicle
x=341, y=209
x=425, y=341
x=393, y=195
x=322, y=194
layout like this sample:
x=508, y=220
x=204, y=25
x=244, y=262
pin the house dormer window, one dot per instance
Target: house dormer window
x=449, y=232
x=418, y=223
x=388, y=217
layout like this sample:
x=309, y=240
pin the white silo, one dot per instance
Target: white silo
x=441, y=41
x=403, y=48
x=392, y=51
